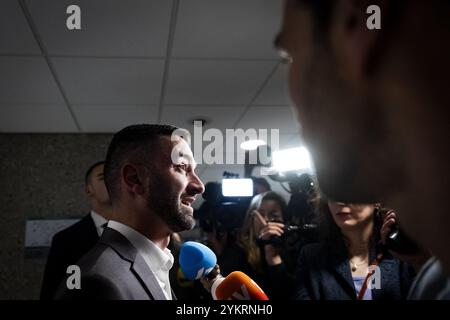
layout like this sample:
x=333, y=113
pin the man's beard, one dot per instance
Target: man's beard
x=169, y=208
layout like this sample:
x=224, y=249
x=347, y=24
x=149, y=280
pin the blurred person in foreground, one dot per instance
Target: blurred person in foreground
x=374, y=108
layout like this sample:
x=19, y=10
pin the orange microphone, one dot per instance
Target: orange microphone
x=237, y=286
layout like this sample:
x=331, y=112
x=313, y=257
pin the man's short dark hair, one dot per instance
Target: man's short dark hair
x=87, y=176
x=133, y=142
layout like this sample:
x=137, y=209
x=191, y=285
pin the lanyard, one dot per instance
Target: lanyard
x=375, y=263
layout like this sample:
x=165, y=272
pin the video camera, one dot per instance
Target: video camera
x=294, y=168
x=226, y=203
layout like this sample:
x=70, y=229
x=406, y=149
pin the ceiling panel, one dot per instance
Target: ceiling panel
x=27, y=80
x=227, y=29
x=16, y=37
x=112, y=118
x=36, y=118
x=110, y=81
x=215, y=82
x=274, y=117
x=108, y=27
x=216, y=117
x=276, y=91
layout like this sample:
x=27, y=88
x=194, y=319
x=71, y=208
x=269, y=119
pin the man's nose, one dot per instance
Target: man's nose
x=196, y=186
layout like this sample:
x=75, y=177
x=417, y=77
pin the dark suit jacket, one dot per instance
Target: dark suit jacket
x=68, y=246
x=323, y=273
x=114, y=270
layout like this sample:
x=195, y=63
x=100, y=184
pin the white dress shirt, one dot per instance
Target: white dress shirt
x=158, y=261
x=99, y=222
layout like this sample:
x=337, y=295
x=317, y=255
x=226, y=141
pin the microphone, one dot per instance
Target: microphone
x=196, y=260
x=237, y=286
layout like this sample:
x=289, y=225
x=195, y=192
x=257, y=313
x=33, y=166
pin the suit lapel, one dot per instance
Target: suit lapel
x=148, y=278
x=139, y=267
x=174, y=297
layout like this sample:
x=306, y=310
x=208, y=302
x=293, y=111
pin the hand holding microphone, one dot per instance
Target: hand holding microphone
x=208, y=281
x=197, y=261
x=237, y=286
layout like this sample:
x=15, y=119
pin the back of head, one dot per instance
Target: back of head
x=260, y=185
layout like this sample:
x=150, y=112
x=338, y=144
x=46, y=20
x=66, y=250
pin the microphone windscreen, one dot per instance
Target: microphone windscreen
x=238, y=286
x=196, y=260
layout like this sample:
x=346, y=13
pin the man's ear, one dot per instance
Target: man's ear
x=88, y=190
x=133, y=178
x=355, y=40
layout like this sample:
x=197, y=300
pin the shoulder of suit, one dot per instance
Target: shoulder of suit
x=74, y=228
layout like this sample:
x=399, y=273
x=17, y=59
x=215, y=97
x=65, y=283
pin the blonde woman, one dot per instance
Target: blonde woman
x=261, y=238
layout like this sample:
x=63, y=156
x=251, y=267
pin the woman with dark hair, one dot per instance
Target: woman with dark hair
x=340, y=266
x=262, y=241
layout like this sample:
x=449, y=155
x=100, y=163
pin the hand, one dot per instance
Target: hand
x=416, y=260
x=272, y=229
x=389, y=221
x=208, y=281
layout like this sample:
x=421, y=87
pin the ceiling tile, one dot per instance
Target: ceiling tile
x=16, y=37
x=281, y=118
x=110, y=81
x=112, y=118
x=215, y=82
x=27, y=80
x=227, y=29
x=276, y=91
x=36, y=118
x=108, y=27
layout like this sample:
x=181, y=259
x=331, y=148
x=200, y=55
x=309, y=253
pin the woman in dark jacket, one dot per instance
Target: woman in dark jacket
x=337, y=267
x=269, y=264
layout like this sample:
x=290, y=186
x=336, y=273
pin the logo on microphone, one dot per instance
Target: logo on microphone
x=202, y=273
x=244, y=296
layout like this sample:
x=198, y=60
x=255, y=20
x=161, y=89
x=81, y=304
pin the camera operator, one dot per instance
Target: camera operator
x=337, y=267
x=262, y=239
x=221, y=222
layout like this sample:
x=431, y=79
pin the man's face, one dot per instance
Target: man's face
x=96, y=188
x=173, y=187
x=341, y=125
